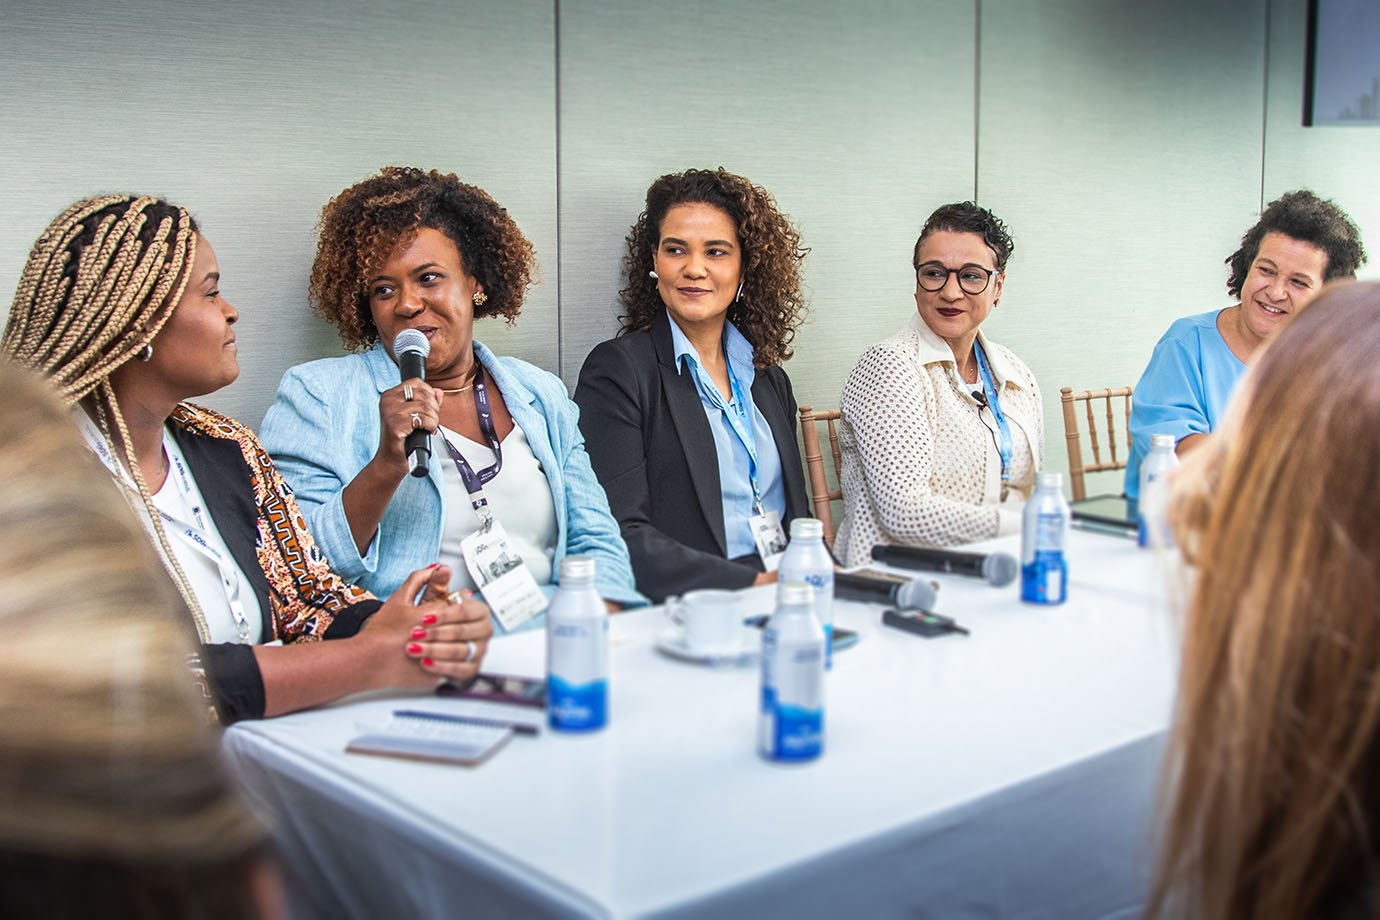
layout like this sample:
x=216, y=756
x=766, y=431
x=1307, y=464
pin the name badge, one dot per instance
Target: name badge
x=506, y=584
x=770, y=538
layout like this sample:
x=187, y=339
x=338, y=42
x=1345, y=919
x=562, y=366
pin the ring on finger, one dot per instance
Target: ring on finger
x=407, y=392
x=471, y=650
x=416, y=421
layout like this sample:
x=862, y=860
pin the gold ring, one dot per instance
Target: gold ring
x=407, y=392
x=416, y=421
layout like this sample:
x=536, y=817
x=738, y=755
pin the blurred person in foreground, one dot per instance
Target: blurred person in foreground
x=1273, y=775
x=113, y=801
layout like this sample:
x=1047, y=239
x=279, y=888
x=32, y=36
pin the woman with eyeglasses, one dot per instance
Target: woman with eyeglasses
x=942, y=432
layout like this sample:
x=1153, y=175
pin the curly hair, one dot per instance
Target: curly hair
x=772, y=305
x=1305, y=217
x=369, y=221
x=967, y=217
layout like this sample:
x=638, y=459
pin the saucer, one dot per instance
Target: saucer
x=671, y=643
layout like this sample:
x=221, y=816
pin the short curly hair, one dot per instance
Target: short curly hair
x=1305, y=217
x=365, y=224
x=968, y=217
x=772, y=305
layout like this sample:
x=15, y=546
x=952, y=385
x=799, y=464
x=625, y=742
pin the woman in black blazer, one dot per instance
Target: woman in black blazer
x=688, y=418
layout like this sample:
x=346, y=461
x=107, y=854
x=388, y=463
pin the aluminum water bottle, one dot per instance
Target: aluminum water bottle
x=1045, y=525
x=577, y=651
x=791, y=724
x=807, y=560
x=1154, y=491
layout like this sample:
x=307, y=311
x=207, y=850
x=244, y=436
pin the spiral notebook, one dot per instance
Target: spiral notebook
x=433, y=736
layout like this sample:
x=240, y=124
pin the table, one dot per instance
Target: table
x=1011, y=773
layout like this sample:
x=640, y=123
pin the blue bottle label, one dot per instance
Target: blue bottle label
x=799, y=733
x=576, y=708
x=1045, y=580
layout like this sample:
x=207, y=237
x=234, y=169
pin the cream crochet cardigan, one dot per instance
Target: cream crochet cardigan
x=920, y=460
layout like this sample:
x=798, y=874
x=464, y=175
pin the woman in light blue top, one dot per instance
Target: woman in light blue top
x=408, y=249
x=1300, y=242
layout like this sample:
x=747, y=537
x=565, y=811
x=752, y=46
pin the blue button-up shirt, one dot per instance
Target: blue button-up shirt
x=735, y=479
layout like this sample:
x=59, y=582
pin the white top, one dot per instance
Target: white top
x=920, y=460
x=217, y=584
x=519, y=497
x=228, y=600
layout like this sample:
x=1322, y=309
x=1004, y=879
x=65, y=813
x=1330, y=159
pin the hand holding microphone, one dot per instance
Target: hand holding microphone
x=420, y=410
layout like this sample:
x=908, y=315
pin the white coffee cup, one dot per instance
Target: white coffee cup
x=712, y=621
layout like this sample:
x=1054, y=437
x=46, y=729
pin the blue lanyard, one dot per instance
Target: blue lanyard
x=474, y=482
x=1003, y=429
x=739, y=417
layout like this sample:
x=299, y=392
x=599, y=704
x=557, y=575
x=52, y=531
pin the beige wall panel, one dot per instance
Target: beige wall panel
x=253, y=114
x=1341, y=163
x=1121, y=142
x=857, y=117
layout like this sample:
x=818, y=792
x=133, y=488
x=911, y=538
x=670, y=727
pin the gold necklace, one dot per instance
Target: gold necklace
x=467, y=387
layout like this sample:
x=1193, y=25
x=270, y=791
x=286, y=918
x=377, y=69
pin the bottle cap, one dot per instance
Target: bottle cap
x=794, y=594
x=807, y=528
x=577, y=569
x=1050, y=481
x=1161, y=440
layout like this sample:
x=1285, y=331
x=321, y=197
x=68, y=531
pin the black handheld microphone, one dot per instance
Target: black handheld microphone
x=998, y=569
x=873, y=587
x=411, y=348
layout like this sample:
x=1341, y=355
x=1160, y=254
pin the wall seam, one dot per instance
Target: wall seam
x=1265, y=101
x=560, y=312
x=977, y=93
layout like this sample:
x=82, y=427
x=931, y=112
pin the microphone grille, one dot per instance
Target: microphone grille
x=410, y=340
x=917, y=594
x=1000, y=569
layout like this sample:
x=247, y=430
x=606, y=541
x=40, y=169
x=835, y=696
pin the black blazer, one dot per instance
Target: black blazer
x=651, y=447
x=227, y=483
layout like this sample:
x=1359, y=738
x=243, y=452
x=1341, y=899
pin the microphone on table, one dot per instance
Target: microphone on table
x=998, y=569
x=411, y=348
x=873, y=587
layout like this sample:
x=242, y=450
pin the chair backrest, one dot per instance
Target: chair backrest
x=1108, y=400
x=820, y=493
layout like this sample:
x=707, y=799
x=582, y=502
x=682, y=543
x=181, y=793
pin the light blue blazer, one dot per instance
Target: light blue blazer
x=324, y=427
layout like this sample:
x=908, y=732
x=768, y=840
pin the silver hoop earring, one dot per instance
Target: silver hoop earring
x=144, y=354
x=653, y=275
x=739, y=296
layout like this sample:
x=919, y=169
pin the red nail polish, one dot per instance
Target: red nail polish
x=418, y=632
x=414, y=649
x=426, y=662
x=433, y=565
x=429, y=620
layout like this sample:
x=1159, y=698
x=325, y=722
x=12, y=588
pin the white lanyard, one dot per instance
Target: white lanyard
x=192, y=534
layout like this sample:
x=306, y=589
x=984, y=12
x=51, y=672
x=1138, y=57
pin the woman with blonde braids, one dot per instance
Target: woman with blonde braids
x=1273, y=778
x=120, y=306
x=508, y=492
x=115, y=803
x=689, y=414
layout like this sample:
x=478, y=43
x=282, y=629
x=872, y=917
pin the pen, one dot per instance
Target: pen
x=521, y=728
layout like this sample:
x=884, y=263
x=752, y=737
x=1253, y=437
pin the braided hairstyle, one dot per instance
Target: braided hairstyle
x=100, y=283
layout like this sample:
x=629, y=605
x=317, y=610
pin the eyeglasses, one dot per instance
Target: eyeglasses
x=973, y=279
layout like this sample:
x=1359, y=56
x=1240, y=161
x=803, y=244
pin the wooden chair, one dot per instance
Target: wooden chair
x=820, y=493
x=1073, y=438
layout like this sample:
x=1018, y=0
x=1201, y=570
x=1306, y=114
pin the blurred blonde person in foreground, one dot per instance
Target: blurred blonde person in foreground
x=1274, y=772
x=112, y=800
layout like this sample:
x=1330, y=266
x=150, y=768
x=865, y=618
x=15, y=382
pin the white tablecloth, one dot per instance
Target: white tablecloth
x=1010, y=773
